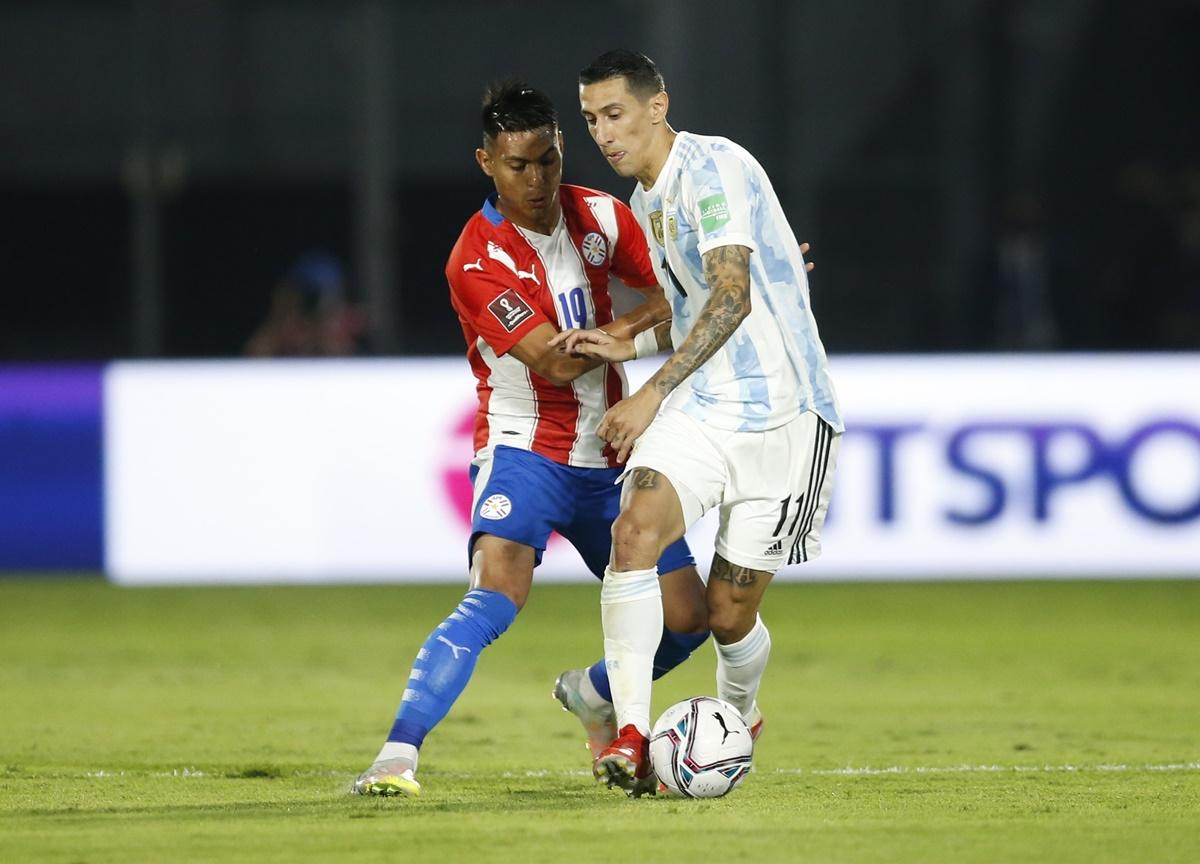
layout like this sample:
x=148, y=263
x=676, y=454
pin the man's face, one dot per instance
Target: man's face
x=621, y=124
x=527, y=170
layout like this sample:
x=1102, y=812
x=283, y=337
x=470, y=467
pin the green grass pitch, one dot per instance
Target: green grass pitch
x=1021, y=722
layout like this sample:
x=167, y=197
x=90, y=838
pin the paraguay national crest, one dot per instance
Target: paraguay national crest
x=495, y=507
x=594, y=248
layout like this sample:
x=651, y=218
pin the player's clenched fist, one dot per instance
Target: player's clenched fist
x=625, y=422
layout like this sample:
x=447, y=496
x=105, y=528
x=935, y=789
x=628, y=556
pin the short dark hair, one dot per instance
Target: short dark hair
x=512, y=105
x=640, y=74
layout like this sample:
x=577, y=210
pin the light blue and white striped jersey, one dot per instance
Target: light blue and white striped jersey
x=711, y=193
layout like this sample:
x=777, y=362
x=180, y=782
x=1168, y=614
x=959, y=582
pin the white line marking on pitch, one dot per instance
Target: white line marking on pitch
x=990, y=769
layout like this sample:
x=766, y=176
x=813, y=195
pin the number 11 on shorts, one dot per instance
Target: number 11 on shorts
x=783, y=514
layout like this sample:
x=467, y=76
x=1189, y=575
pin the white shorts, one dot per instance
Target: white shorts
x=773, y=487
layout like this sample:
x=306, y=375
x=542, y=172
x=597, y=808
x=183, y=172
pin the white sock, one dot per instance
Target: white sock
x=632, y=614
x=398, y=750
x=740, y=667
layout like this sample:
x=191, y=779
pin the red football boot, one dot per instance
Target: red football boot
x=626, y=763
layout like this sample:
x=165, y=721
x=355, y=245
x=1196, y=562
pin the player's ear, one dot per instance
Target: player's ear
x=659, y=103
x=484, y=158
x=560, y=143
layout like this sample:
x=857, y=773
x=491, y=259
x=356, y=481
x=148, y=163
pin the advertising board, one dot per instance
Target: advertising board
x=952, y=467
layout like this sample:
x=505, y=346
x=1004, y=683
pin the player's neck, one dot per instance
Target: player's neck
x=542, y=224
x=658, y=158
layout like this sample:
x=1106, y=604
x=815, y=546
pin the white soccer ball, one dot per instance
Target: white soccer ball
x=701, y=748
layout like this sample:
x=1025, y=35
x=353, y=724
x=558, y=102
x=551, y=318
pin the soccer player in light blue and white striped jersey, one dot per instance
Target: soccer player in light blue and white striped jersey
x=742, y=415
x=712, y=193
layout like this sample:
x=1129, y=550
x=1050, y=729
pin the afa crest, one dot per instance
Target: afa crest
x=656, y=225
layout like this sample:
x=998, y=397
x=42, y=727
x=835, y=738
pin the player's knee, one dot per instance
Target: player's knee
x=636, y=540
x=506, y=568
x=515, y=591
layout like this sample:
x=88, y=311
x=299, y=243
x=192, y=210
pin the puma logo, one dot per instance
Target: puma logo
x=497, y=253
x=456, y=648
x=478, y=265
x=720, y=720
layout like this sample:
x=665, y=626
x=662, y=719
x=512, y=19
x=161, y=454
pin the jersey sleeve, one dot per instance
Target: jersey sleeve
x=720, y=201
x=490, y=298
x=631, y=258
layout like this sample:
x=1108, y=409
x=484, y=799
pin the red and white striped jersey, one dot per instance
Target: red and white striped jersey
x=505, y=281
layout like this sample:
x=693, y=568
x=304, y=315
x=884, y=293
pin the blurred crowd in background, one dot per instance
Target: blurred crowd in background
x=1138, y=288
x=271, y=178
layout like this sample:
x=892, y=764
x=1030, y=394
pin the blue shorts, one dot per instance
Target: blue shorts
x=525, y=496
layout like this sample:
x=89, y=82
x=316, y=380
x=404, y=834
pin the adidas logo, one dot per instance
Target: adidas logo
x=775, y=548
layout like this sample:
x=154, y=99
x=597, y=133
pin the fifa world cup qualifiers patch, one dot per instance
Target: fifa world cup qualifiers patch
x=714, y=212
x=510, y=310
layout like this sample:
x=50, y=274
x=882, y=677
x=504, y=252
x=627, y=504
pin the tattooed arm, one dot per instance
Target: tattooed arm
x=608, y=345
x=727, y=272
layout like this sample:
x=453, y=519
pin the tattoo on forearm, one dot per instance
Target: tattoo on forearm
x=644, y=478
x=727, y=272
x=723, y=571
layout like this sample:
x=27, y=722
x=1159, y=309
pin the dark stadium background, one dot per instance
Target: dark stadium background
x=162, y=163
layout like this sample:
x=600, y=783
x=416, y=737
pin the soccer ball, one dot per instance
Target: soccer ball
x=701, y=748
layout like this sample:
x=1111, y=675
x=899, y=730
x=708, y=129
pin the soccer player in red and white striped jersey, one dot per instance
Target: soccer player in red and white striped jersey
x=515, y=287
x=535, y=261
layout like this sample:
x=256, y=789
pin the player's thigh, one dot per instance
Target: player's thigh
x=778, y=495
x=503, y=565
x=651, y=519
x=598, y=501
x=734, y=596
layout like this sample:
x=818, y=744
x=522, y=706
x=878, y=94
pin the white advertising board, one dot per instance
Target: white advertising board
x=952, y=467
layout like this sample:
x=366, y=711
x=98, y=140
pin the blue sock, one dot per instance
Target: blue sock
x=673, y=649
x=446, y=660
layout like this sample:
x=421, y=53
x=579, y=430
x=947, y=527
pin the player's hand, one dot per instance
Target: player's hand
x=594, y=343
x=625, y=422
x=560, y=341
x=808, y=265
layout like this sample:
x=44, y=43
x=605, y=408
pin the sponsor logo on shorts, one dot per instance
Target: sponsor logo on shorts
x=510, y=310
x=594, y=249
x=495, y=507
x=775, y=548
x=714, y=212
